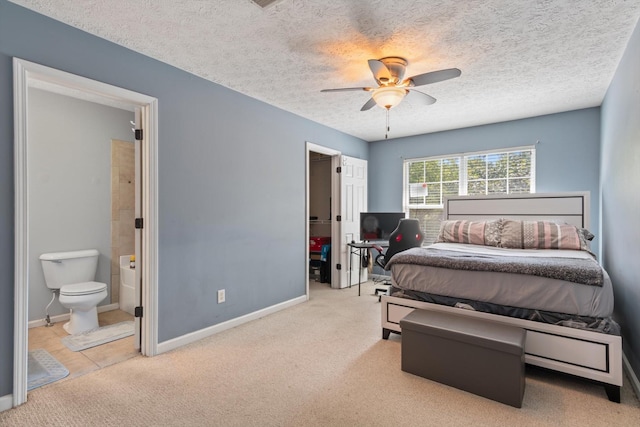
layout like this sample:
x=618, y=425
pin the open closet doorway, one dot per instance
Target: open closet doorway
x=322, y=199
x=321, y=216
x=339, y=183
x=53, y=85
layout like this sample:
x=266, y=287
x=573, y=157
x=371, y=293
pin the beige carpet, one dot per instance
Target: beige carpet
x=321, y=363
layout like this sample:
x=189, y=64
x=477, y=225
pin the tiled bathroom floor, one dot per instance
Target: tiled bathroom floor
x=82, y=362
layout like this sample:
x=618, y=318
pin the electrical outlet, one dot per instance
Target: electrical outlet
x=221, y=296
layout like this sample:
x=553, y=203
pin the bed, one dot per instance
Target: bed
x=555, y=291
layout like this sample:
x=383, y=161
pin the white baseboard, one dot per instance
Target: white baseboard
x=65, y=317
x=632, y=375
x=212, y=330
x=6, y=402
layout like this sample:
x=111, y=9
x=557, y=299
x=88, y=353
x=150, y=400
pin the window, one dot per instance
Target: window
x=428, y=181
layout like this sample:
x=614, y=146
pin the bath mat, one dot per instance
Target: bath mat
x=43, y=368
x=98, y=336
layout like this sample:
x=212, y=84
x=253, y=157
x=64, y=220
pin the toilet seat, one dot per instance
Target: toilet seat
x=85, y=288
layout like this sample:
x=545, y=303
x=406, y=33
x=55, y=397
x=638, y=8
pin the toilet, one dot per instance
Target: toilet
x=72, y=273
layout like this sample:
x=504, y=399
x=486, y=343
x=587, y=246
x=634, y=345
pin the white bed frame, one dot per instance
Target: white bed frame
x=587, y=354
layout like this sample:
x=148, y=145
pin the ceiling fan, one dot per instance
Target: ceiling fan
x=393, y=87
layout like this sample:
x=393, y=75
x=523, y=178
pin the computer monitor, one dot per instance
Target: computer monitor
x=377, y=226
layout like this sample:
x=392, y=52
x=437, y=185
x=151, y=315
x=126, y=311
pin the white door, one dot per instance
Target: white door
x=137, y=292
x=353, y=200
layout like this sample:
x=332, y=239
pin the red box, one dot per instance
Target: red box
x=315, y=243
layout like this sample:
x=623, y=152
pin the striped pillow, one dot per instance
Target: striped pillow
x=541, y=235
x=485, y=233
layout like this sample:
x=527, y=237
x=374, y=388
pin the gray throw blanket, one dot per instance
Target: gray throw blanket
x=583, y=271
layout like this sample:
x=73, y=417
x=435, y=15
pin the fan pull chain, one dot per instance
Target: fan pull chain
x=386, y=135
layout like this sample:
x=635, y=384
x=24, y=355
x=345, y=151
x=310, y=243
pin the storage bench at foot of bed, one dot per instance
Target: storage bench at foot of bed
x=484, y=358
x=584, y=353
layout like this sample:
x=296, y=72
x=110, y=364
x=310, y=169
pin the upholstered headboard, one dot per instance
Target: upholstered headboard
x=572, y=208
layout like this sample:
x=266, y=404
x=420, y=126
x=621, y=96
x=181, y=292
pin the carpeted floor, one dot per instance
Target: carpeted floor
x=321, y=363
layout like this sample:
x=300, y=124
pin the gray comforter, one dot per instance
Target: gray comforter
x=582, y=271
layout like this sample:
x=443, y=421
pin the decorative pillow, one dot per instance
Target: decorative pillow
x=485, y=233
x=542, y=235
x=586, y=234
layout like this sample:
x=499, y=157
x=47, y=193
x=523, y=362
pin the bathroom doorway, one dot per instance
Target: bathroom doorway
x=29, y=76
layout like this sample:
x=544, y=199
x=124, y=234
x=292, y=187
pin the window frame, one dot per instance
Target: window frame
x=463, y=180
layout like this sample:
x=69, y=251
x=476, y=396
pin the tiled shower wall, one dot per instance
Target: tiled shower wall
x=122, y=208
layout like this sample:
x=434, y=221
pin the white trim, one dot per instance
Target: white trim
x=24, y=73
x=21, y=235
x=322, y=150
x=635, y=383
x=191, y=337
x=336, y=227
x=65, y=316
x=6, y=402
x=150, y=235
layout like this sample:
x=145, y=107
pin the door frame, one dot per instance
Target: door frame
x=335, y=197
x=27, y=73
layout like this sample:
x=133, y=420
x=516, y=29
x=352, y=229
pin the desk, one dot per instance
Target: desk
x=356, y=249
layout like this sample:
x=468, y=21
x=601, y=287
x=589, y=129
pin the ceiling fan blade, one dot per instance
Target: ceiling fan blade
x=380, y=71
x=422, y=97
x=345, y=89
x=434, y=77
x=369, y=105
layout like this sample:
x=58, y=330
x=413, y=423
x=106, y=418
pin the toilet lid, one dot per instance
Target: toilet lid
x=85, y=288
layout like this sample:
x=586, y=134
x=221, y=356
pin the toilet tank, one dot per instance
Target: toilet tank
x=65, y=268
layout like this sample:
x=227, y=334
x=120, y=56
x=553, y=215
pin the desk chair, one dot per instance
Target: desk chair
x=407, y=235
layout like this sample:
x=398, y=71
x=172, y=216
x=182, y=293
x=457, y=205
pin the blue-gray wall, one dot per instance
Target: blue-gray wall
x=231, y=180
x=567, y=157
x=620, y=181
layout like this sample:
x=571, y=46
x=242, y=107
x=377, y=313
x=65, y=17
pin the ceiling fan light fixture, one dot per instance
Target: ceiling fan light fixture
x=388, y=97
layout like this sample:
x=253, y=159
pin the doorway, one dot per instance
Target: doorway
x=331, y=193
x=30, y=75
x=320, y=217
x=348, y=197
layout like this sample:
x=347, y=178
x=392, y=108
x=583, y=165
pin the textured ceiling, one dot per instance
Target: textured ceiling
x=519, y=58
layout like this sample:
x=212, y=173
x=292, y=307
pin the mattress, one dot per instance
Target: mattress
x=508, y=289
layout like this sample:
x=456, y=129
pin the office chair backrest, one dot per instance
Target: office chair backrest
x=407, y=235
